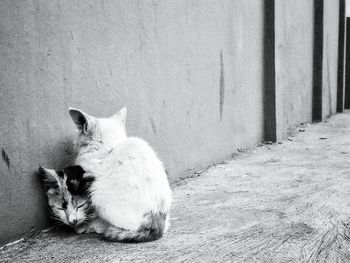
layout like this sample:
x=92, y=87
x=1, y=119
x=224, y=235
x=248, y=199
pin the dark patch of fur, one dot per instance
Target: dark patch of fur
x=151, y=231
x=64, y=204
x=60, y=173
x=75, y=172
x=76, y=182
x=155, y=226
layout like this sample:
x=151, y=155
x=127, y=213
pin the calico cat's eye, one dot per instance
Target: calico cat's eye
x=80, y=206
x=56, y=207
x=63, y=207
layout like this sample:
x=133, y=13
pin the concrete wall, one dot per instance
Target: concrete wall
x=330, y=59
x=297, y=57
x=294, y=63
x=190, y=73
x=197, y=77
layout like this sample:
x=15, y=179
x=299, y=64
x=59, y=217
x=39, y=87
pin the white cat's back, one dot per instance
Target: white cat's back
x=130, y=182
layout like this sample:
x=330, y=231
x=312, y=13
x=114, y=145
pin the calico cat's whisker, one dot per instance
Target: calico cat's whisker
x=89, y=218
x=55, y=217
x=57, y=223
x=52, y=214
x=91, y=192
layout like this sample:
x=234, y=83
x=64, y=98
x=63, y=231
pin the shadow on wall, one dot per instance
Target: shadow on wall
x=31, y=205
x=61, y=154
x=57, y=157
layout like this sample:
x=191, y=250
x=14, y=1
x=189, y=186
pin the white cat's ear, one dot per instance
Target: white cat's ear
x=81, y=119
x=121, y=115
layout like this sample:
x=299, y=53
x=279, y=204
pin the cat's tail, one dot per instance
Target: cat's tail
x=152, y=229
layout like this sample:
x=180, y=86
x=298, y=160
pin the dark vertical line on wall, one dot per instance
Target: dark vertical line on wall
x=347, y=66
x=341, y=57
x=222, y=84
x=317, y=61
x=5, y=158
x=269, y=100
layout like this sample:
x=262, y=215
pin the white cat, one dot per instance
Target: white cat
x=131, y=192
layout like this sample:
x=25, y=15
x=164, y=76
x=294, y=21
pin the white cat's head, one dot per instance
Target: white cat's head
x=104, y=131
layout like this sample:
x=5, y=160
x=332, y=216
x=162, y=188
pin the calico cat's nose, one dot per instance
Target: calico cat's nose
x=72, y=222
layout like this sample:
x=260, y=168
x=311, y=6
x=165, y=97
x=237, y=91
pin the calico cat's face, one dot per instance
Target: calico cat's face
x=105, y=131
x=67, y=193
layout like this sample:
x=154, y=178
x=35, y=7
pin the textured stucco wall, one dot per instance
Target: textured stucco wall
x=190, y=73
x=330, y=57
x=294, y=43
x=294, y=29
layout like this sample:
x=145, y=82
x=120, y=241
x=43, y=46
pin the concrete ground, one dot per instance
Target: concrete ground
x=283, y=202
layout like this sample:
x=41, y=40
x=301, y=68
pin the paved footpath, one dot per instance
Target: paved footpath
x=287, y=202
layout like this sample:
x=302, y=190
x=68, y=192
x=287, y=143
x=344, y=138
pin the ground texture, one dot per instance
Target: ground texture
x=286, y=202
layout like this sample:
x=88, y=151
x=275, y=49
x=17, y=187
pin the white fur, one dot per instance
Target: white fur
x=130, y=178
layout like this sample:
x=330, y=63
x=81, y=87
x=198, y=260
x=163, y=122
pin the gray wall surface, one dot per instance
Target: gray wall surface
x=190, y=73
x=330, y=59
x=294, y=63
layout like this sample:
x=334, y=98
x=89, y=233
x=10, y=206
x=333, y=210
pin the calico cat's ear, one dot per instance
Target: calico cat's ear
x=49, y=177
x=81, y=119
x=121, y=115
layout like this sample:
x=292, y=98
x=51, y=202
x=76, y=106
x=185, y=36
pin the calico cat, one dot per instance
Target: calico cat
x=68, y=194
x=131, y=192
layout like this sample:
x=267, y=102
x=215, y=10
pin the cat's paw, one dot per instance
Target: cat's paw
x=81, y=229
x=90, y=229
x=97, y=226
x=99, y=229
